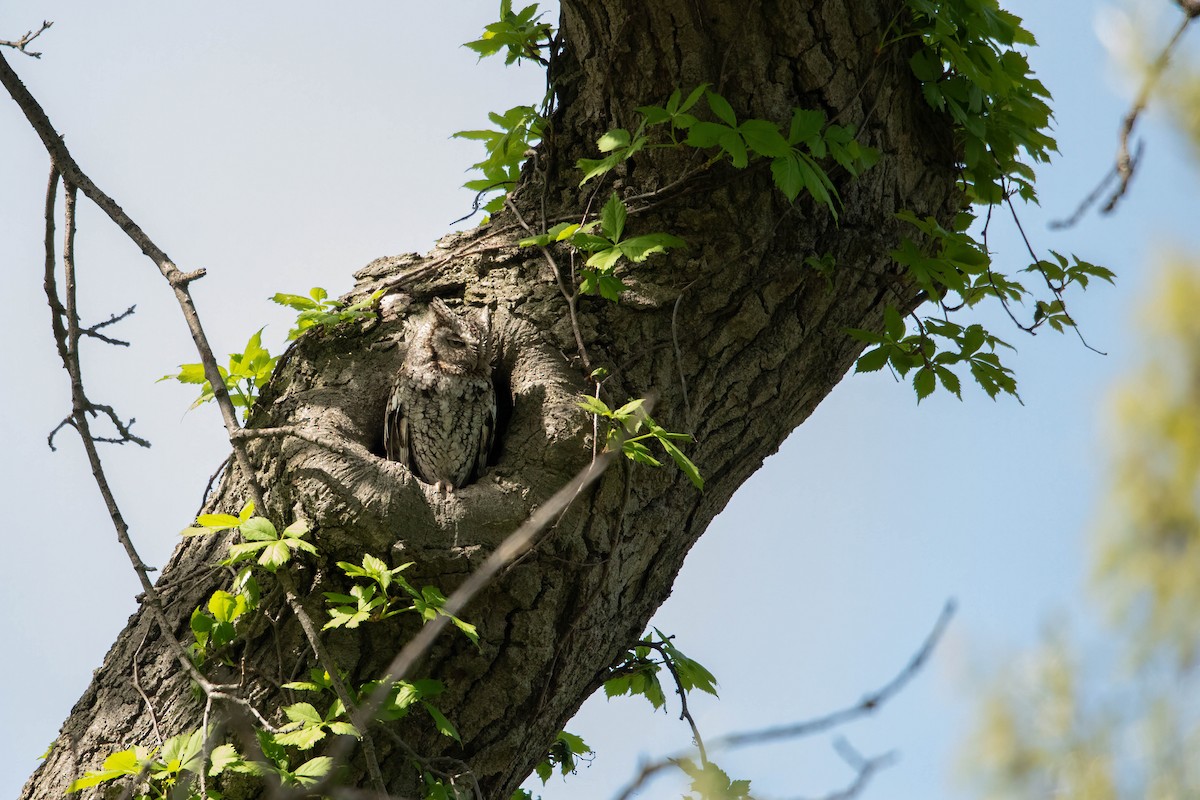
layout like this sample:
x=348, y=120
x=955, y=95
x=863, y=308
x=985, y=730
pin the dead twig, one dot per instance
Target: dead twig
x=866, y=706
x=179, y=281
x=1126, y=163
x=21, y=44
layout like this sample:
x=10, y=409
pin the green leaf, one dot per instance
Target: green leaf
x=636, y=451
x=223, y=757
x=297, y=529
x=785, y=170
x=443, y=725
x=639, y=248
x=630, y=408
x=295, y=301
x=594, y=168
x=732, y=143
x=217, y=522
x=313, y=769
x=275, y=555
x=706, y=134
x=764, y=138
x=616, y=138
x=302, y=712
x=720, y=106
x=604, y=260
x=612, y=218
x=258, y=529
x=188, y=373
x=344, y=729
x=683, y=462
x=116, y=765
x=806, y=126
x=924, y=382
x=872, y=361
x=226, y=607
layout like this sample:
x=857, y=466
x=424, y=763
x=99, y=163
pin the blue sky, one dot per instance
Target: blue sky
x=283, y=146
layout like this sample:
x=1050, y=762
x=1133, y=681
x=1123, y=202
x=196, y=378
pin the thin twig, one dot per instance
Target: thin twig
x=67, y=341
x=1125, y=164
x=137, y=684
x=212, y=479
x=335, y=679
x=868, y=705
x=93, y=331
x=1057, y=289
x=21, y=44
x=179, y=280
x=684, y=713
x=567, y=294
x=864, y=768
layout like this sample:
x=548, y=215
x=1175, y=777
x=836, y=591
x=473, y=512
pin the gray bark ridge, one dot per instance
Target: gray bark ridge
x=761, y=340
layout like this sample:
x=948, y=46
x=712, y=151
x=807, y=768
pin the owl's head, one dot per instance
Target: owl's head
x=459, y=344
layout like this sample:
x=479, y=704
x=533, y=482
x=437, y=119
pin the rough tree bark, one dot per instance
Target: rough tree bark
x=760, y=337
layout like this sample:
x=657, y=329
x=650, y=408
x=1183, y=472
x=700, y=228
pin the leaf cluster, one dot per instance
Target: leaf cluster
x=637, y=673
x=519, y=35
x=318, y=311
x=249, y=370
x=272, y=547
x=625, y=432
x=954, y=270
x=564, y=755
x=969, y=69
x=795, y=155
x=307, y=726
x=218, y=627
x=506, y=146
x=603, y=240
x=372, y=601
x=932, y=359
x=171, y=772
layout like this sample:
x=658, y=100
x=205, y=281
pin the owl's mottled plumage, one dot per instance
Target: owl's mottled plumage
x=441, y=414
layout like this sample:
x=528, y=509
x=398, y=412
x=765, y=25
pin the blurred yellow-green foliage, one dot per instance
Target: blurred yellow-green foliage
x=1120, y=718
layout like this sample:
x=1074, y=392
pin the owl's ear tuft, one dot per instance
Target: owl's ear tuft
x=441, y=310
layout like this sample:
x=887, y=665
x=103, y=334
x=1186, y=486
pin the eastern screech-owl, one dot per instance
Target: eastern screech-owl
x=441, y=414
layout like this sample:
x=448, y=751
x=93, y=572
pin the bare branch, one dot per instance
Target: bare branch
x=21, y=44
x=67, y=340
x=865, y=769
x=868, y=705
x=93, y=331
x=1122, y=171
x=75, y=177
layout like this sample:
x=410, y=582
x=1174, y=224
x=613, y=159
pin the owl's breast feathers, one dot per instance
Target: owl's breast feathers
x=441, y=426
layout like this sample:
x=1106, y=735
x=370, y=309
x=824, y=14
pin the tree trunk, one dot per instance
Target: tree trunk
x=735, y=338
